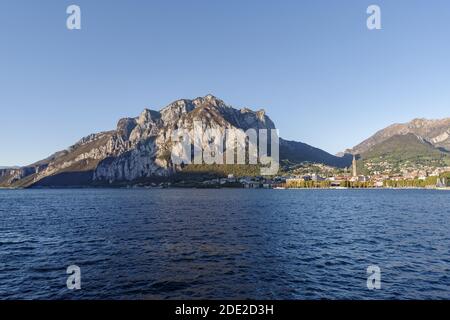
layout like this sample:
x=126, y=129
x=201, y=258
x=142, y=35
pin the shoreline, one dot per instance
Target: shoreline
x=224, y=188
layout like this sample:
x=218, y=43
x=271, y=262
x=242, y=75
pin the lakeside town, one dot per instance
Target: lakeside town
x=309, y=176
x=320, y=176
x=383, y=175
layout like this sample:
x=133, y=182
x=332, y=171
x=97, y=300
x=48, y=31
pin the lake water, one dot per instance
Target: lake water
x=224, y=244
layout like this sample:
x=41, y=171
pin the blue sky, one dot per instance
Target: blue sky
x=321, y=75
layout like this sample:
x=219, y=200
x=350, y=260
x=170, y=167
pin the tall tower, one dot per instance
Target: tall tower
x=355, y=173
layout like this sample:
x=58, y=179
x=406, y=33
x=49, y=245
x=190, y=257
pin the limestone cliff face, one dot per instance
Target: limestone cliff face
x=148, y=137
x=138, y=148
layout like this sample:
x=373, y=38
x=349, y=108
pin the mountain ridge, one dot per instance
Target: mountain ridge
x=436, y=131
x=403, y=153
x=139, y=148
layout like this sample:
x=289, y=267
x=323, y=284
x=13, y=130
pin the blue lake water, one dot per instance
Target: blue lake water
x=224, y=244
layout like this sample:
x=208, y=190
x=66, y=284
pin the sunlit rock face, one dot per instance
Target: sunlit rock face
x=138, y=148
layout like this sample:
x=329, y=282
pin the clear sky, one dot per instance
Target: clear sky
x=321, y=75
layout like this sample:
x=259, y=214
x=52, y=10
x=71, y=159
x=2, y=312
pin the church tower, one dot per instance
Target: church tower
x=355, y=173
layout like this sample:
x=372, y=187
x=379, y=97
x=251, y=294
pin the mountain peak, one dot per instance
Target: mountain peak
x=210, y=97
x=419, y=122
x=436, y=131
x=209, y=100
x=148, y=115
x=139, y=148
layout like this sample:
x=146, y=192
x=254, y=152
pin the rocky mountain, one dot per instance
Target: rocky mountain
x=402, y=154
x=436, y=132
x=407, y=147
x=139, y=148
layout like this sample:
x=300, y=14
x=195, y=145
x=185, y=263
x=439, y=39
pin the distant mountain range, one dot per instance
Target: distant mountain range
x=405, y=147
x=436, y=132
x=138, y=150
x=419, y=142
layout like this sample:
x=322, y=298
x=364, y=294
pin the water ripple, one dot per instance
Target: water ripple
x=224, y=244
